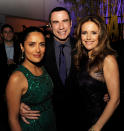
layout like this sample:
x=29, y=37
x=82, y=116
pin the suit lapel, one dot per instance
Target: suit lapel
x=53, y=59
x=72, y=42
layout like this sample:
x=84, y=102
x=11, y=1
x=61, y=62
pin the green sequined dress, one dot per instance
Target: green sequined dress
x=39, y=97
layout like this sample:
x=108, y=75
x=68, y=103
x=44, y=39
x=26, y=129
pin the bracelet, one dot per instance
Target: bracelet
x=91, y=129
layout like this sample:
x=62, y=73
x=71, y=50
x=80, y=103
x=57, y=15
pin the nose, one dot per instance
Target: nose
x=88, y=36
x=38, y=48
x=61, y=26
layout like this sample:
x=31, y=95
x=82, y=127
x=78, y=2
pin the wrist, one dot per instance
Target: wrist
x=95, y=128
x=99, y=125
x=91, y=129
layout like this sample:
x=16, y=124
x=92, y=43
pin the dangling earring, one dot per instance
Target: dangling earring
x=22, y=55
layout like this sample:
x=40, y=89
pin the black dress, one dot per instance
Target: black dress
x=92, y=92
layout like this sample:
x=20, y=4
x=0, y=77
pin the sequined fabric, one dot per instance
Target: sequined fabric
x=39, y=97
x=91, y=99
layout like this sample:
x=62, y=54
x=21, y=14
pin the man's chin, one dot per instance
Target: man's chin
x=61, y=39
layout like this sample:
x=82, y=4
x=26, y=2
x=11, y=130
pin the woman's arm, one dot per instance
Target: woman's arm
x=14, y=90
x=111, y=75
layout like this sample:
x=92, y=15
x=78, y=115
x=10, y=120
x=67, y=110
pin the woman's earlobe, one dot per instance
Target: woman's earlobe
x=22, y=48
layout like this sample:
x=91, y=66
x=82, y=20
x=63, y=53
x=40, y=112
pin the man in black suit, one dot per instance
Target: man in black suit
x=65, y=93
x=9, y=48
x=9, y=54
x=9, y=59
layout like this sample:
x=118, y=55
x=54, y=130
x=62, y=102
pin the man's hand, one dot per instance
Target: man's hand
x=26, y=112
x=10, y=61
x=106, y=98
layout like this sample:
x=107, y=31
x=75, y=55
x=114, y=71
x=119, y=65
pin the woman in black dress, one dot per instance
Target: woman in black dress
x=98, y=74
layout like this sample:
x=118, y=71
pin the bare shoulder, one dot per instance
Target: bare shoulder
x=16, y=81
x=17, y=76
x=110, y=64
x=110, y=60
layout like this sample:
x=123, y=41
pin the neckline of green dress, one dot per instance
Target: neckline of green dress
x=33, y=74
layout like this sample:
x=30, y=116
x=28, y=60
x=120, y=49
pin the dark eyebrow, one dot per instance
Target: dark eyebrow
x=43, y=42
x=66, y=20
x=55, y=21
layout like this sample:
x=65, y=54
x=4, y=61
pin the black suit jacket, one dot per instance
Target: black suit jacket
x=3, y=62
x=51, y=66
x=3, y=55
x=65, y=97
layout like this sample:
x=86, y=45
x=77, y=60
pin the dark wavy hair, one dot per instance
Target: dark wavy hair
x=27, y=31
x=23, y=36
x=100, y=51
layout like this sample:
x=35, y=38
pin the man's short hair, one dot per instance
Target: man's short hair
x=58, y=9
x=6, y=26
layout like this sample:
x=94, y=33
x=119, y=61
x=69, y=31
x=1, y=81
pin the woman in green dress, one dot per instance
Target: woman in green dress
x=31, y=84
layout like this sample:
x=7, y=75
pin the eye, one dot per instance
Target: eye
x=7, y=31
x=66, y=20
x=94, y=32
x=55, y=22
x=83, y=32
x=31, y=43
x=42, y=44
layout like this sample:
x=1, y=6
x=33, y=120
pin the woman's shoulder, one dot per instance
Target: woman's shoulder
x=16, y=77
x=110, y=59
x=110, y=63
x=16, y=82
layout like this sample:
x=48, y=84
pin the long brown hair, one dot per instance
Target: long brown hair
x=100, y=51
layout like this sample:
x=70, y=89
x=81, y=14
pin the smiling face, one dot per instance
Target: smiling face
x=89, y=35
x=61, y=25
x=34, y=47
